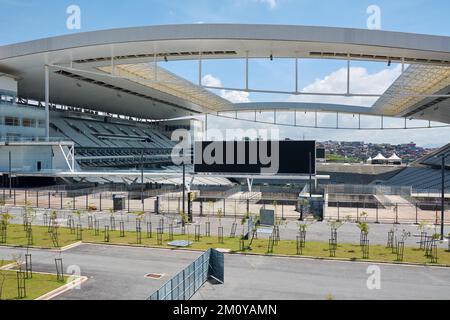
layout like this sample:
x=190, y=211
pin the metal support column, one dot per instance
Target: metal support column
x=47, y=103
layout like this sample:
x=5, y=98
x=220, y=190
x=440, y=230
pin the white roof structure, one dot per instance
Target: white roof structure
x=370, y=159
x=379, y=157
x=83, y=67
x=394, y=157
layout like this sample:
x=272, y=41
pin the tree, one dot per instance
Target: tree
x=335, y=224
x=30, y=213
x=5, y=217
x=78, y=214
x=4, y=221
x=364, y=215
x=363, y=227
x=184, y=218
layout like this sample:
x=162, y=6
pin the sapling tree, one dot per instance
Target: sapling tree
x=184, y=218
x=363, y=227
x=30, y=214
x=335, y=225
x=139, y=215
x=220, y=216
x=210, y=209
x=364, y=215
x=78, y=214
x=303, y=226
x=256, y=223
x=5, y=217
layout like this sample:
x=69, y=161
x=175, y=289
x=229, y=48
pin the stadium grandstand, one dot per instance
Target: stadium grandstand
x=425, y=174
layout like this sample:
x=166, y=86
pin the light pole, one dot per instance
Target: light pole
x=444, y=157
x=310, y=175
x=10, y=174
x=184, y=187
x=142, y=180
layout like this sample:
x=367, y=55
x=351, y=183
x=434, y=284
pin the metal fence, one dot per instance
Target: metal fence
x=352, y=189
x=378, y=208
x=186, y=283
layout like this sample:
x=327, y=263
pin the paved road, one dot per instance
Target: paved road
x=273, y=278
x=114, y=272
x=118, y=273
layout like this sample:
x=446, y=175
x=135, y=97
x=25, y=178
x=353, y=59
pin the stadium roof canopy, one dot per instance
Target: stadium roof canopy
x=112, y=70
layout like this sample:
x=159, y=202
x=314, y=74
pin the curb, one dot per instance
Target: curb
x=401, y=264
x=52, y=249
x=71, y=246
x=8, y=266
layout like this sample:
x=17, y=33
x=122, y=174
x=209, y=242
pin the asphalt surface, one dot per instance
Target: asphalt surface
x=116, y=272
x=274, y=278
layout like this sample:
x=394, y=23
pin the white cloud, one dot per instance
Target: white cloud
x=233, y=96
x=361, y=81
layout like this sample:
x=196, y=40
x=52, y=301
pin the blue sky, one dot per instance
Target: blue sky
x=28, y=19
x=24, y=20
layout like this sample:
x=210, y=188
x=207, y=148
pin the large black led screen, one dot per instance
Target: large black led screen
x=255, y=157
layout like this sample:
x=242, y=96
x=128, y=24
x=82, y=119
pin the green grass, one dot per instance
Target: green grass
x=39, y=285
x=16, y=236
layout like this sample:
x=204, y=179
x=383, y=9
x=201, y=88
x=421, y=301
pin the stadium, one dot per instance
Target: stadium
x=87, y=120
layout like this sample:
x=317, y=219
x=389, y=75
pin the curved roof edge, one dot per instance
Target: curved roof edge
x=345, y=36
x=302, y=106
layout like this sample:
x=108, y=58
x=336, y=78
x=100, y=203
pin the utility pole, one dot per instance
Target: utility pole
x=47, y=102
x=10, y=175
x=444, y=157
x=310, y=175
x=184, y=187
x=142, y=179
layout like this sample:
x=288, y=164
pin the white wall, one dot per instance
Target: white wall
x=25, y=158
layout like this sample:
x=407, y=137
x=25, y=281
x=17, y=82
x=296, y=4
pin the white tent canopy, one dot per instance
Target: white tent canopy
x=394, y=157
x=380, y=157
